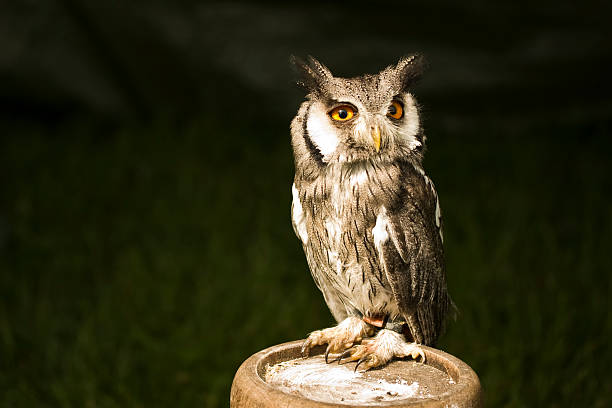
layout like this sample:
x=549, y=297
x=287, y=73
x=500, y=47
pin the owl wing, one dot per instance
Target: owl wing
x=408, y=238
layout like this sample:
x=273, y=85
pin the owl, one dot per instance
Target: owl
x=367, y=215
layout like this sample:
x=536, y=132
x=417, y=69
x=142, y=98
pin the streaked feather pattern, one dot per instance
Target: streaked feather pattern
x=369, y=220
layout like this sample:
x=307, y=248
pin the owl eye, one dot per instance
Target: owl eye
x=396, y=110
x=342, y=113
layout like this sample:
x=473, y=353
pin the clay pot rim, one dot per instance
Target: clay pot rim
x=466, y=380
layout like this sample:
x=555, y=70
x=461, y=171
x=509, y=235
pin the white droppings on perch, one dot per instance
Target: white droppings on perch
x=334, y=383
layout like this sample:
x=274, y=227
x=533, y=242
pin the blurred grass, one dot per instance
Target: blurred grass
x=142, y=264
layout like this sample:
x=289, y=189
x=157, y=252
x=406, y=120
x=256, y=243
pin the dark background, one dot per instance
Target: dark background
x=146, y=247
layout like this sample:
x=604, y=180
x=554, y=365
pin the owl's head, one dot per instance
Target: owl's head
x=371, y=117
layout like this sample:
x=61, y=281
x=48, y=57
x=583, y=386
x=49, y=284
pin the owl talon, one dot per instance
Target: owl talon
x=338, y=338
x=368, y=362
x=330, y=348
x=361, y=360
x=344, y=355
x=354, y=354
x=417, y=352
x=327, y=350
x=306, y=348
x=382, y=349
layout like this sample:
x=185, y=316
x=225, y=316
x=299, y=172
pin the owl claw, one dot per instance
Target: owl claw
x=344, y=355
x=339, y=338
x=354, y=354
x=380, y=350
x=327, y=350
x=306, y=348
x=370, y=361
x=361, y=360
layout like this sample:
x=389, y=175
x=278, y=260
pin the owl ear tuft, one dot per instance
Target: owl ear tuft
x=312, y=75
x=409, y=70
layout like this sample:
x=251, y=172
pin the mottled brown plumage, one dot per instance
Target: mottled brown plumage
x=366, y=213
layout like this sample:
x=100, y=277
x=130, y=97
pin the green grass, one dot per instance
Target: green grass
x=141, y=265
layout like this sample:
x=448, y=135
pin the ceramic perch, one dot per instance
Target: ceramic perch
x=279, y=377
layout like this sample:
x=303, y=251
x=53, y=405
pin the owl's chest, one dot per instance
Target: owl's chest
x=343, y=209
x=349, y=200
x=338, y=209
x=340, y=218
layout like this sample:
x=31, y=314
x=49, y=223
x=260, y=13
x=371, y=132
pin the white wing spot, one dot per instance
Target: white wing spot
x=438, y=211
x=334, y=231
x=438, y=214
x=379, y=232
x=432, y=188
x=298, y=215
x=358, y=177
x=421, y=172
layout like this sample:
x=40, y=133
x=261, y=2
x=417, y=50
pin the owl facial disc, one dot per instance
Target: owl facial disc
x=352, y=120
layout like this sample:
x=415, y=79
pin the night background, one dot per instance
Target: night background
x=146, y=246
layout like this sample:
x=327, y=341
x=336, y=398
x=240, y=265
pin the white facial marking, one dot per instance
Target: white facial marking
x=362, y=133
x=298, y=215
x=321, y=131
x=410, y=123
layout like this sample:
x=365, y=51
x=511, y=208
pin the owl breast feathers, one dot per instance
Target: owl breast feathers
x=367, y=215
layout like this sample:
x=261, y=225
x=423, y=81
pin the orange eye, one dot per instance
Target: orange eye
x=396, y=110
x=342, y=113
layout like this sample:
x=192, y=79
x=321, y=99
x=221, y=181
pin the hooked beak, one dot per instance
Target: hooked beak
x=376, y=138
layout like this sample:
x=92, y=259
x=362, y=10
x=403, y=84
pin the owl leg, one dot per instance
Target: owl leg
x=350, y=331
x=381, y=349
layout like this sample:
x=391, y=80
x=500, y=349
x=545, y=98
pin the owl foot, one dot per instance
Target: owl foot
x=380, y=350
x=340, y=338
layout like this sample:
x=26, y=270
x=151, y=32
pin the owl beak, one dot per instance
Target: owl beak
x=376, y=138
